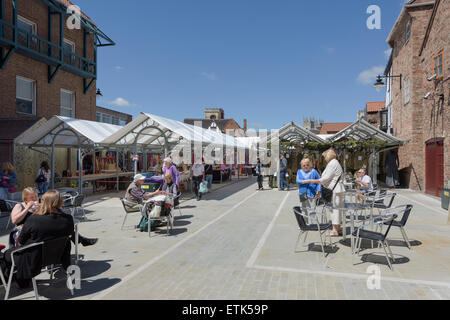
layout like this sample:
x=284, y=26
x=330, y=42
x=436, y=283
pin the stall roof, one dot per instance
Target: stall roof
x=67, y=132
x=293, y=132
x=362, y=130
x=149, y=130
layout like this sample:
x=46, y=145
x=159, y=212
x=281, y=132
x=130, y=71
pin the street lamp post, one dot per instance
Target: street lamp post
x=380, y=83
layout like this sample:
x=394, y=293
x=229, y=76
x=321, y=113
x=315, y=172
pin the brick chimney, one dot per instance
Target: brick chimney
x=245, y=125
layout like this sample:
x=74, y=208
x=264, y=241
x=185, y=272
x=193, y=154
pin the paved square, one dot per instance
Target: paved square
x=238, y=243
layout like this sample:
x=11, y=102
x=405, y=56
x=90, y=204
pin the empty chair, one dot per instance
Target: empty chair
x=304, y=227
x=176, y=202
x=129, y=207
x=6, y=206
x=384, y=200
x=361, y=233
x=76, y=203
x=53, y=257
x=405, y=210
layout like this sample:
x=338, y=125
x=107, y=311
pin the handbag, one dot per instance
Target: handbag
x=303, y=197
x=203, y=187
x=41, y=178
x=327, y=194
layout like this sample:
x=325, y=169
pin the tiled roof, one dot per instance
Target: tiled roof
x=333, y=127
x=375, y=106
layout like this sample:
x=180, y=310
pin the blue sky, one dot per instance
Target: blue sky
x=269, y=61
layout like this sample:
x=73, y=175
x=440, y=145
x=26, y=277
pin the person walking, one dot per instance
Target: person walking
x=209, y=176
x=259, y=174
x=197, y=176
x=308, y=192
x=332, y=178
x=170, y=168
x=8, y=185
x=43, y=177
x=283, y=172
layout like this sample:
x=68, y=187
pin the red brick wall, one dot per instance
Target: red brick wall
x=374, y=119
x=412, y=120
x=47, y=95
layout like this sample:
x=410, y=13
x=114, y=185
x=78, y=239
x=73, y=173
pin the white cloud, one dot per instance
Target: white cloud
x=369, y=76
x=329, y=50
x=119, y=68
x=210, y=76
x=121, y=102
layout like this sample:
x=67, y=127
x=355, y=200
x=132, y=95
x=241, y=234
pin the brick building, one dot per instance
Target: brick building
x=113, y=117
x=373, y=111
x=333, y=127
x=215, y=120
x=48, y=66
x=418, y=106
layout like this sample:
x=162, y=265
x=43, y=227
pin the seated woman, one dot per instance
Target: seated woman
x=47, y=223
x=21, y=212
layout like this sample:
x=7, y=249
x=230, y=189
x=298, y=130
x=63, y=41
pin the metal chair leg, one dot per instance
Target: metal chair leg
x=298, y=239
x=35, y=288
x=387, y=256
x=124, y=219
x=8, y=288
x=405, y=237
x=69, y=283
x=321, y=243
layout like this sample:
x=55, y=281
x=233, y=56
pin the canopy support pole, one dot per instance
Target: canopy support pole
x=80, y=171
x=345, y=162
x=117, y=170
x=52, y=166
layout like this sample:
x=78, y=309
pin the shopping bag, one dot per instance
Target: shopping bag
x=203, y=187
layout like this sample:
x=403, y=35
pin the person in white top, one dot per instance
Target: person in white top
x=365, y=182
x=330, y=179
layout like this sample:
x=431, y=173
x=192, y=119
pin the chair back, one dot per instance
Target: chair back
x=126, y=203
x=53, y=251
x=406, y=214
x=300, y=219
x=3, y=206
x=391, y=201
x=389, y=221
x=78, y=200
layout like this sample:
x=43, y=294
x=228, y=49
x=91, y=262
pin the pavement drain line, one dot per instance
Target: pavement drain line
x=357, y=276
x=409, y=199
x=162, y=255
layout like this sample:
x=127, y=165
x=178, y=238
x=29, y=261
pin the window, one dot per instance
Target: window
x=106, y=118
x=408, y=30
x=407, y=95
x=68, y=50
x=115, y=120
x=438, y=65
x=67, y=104
x=122, y=122
x=26, y=28
x=98, y=117
x=25, y=96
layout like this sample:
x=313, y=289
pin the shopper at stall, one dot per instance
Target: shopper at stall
x=8, y=185
x=332, y=179
x=135, y=194
x=170, y=168
x=308, y=192
x=43, y=177
x=197, y=176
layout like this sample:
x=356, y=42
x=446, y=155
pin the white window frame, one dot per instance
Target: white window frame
x=73, y=102
x=408, y=30
x=33, y=24
x=34, y=95
x=407, y=90
x=71, y=43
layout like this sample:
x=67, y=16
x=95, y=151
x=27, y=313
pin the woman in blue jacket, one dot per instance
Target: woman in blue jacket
x=308, y=192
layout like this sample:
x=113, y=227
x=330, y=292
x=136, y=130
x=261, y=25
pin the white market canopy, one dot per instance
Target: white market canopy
x=293, y=132
x=67, y=132
x=151, y=131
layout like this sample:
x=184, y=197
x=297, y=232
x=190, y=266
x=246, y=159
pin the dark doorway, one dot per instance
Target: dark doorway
x=434, y=164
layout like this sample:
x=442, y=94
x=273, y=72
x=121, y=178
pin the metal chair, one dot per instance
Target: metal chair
x=129, y=207
x=401, y=224
x=9, y=205
x=177, y=198
x=304, y=228
x=77, y=203
x=52, y=252
x=361, y=233
x=2, y=277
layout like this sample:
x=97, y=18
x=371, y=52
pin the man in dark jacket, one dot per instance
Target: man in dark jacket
x=283, y=171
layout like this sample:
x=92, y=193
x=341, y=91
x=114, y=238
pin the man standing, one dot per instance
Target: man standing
x=259, y=174
x=283, y=171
